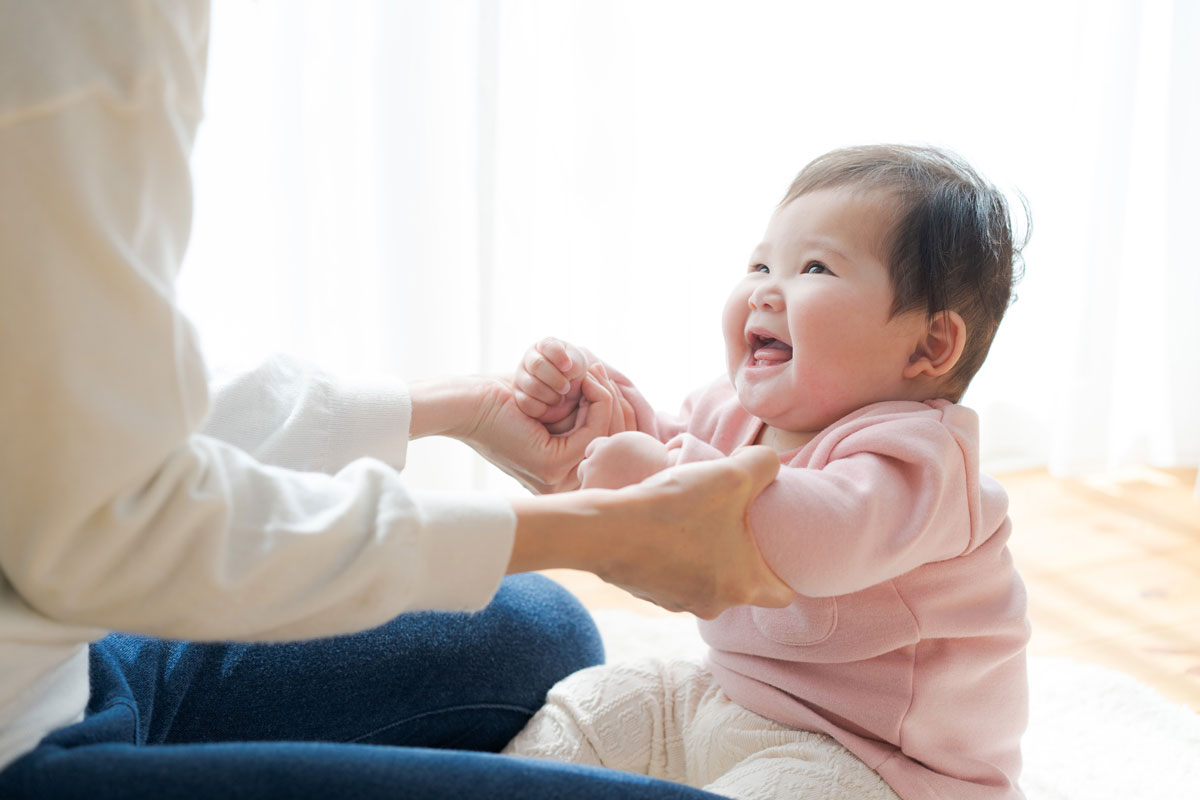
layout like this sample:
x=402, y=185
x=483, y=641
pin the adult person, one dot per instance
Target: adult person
x=269, y=509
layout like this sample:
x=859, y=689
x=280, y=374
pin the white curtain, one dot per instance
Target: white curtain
x=428, y=187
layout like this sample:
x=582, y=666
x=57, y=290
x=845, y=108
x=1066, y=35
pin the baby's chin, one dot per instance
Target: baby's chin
x=769, y=410
x=784, y=416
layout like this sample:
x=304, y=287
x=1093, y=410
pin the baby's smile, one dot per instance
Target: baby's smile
x=767, y=351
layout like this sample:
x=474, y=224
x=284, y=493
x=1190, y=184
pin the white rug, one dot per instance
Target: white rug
x=1094, y=734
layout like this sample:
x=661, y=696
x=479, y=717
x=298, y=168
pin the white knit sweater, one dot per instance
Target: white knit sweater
x=131, y=499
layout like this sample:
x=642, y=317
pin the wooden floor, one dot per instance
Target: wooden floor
x=1112, y=567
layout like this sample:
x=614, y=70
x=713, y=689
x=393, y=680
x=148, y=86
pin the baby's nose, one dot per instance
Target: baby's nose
x=766, y=297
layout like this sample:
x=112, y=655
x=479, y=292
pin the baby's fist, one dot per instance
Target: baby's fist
x=623, y=459
x=548, y=384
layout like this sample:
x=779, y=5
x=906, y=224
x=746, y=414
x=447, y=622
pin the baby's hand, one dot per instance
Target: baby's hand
x=612, y=462
x=548, y=385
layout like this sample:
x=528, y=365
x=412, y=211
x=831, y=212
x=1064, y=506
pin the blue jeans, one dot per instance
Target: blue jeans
x=414, y=709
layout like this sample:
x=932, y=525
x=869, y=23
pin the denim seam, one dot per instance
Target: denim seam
x=121, y=701
x=452, y=709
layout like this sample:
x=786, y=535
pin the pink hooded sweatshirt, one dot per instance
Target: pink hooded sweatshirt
x=906, y=640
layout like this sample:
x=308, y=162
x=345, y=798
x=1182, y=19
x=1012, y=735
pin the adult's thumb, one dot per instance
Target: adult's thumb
x=760, y=462
x=762, y=465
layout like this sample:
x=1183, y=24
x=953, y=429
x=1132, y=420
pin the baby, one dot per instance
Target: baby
x=899, y=669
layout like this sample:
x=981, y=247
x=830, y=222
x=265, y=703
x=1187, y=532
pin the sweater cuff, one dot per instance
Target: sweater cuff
x=468, y=557
x=369, y=418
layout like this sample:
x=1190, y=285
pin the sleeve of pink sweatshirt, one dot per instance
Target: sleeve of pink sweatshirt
x=873, y=497
x=888, y=498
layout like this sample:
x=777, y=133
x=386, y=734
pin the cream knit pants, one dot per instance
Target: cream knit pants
x=670, y=720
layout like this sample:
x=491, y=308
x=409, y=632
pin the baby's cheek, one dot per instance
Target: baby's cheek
x=733, y=325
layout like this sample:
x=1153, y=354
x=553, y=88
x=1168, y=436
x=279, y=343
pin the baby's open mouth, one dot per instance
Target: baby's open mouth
x=767, y=351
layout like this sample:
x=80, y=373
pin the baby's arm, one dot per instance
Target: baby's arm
x=888, y=499
x=547, y=386
x=626, y=458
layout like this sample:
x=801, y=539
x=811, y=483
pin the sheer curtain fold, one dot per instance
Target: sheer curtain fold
x=428, y=187
x=1133, y=376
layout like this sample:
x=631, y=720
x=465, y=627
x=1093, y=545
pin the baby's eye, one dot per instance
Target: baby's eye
x=763, y=268
x=815, y=268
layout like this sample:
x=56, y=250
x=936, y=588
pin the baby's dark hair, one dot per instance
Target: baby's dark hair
x=952, y=245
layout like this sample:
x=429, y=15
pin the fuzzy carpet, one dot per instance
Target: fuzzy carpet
x=1094, y=734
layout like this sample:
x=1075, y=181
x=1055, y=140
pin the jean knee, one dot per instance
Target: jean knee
x=548, y=624
x=499, y=663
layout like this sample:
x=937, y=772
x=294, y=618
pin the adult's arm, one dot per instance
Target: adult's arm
x=289, y=413
x=116, y=509
x=681, y=539
x=124, y=503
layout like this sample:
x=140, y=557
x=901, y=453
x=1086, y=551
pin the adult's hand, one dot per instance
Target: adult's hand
x=483, y=413
x=680, y=539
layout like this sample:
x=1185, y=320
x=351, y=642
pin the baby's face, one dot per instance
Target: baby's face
x=807, y=334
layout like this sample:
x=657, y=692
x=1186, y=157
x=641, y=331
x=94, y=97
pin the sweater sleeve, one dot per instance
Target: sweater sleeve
x=125, y=504
x=288, y=413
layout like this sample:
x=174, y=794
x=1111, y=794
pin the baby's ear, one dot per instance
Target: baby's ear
x=940, y=348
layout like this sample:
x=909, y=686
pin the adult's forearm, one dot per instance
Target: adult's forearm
x=447, y=406
x=564, y=531
x=679, y=539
